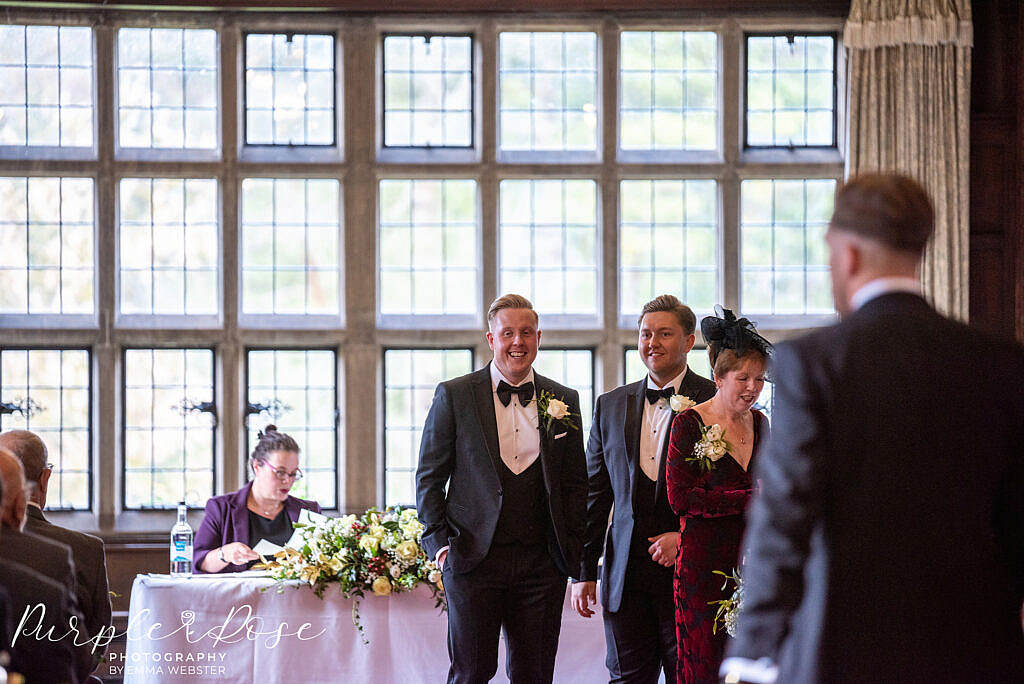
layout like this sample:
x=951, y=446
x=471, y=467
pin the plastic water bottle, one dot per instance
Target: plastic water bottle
x=181, y=545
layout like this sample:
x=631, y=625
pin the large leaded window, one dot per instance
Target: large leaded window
x=214, y=221
x=48, y=392
x=410, y=377
x=169, y=417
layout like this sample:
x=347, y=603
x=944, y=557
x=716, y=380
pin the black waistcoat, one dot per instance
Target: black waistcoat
x=653, y=517
x=524, y=516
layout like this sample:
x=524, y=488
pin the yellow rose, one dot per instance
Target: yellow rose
x=412, y=530
x=377, y=531
x=381, y=586
x=407, y=551
x=369, y=544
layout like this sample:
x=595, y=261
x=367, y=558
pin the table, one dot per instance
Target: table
x=243, y=630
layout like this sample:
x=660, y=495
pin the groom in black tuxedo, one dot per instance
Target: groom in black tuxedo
x=626, y=467
x=501, y=488
x=886, y=543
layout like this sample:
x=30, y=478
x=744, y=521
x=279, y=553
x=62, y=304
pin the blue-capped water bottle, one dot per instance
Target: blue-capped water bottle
x=181, y=544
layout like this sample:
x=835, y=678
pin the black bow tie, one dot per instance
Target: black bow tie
x=654, y=395
x=524, y=391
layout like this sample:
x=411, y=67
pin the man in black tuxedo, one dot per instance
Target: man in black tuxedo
x=508, y=530
x=886, y=543
x=86, y=550
x=626, y=467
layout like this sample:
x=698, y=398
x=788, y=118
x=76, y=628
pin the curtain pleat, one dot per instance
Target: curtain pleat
x=909, y=68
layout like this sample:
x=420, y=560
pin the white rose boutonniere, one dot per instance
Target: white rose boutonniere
x=557, y=409
x=550, y=408
x=711, y=447
x=680, y=402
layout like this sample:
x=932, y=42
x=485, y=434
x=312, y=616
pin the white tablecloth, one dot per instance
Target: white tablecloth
x=232, y=623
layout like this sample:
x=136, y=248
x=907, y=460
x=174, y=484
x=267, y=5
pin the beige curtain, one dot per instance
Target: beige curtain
x=909, y=67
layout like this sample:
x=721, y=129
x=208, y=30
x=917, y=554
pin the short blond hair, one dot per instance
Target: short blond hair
x=510, y=301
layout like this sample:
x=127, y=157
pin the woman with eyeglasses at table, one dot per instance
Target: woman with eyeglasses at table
x=235, y=522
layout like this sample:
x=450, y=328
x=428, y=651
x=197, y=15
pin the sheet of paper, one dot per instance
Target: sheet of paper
x=295, y=542
x=309, y=517
x=266, y=548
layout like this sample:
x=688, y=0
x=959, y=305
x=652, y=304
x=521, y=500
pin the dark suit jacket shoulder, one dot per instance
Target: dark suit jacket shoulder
x=39, y=659
x=50, y=558
x=90, y=568
x=887, y=540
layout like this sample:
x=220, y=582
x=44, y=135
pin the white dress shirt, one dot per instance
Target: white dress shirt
x=518, y=436
x=657, y=422
x=881, y=286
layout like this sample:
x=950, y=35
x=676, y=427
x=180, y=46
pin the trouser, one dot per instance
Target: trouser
x=516, y=588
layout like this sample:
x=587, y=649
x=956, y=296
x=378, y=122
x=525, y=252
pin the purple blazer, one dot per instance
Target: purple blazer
x=227, y=520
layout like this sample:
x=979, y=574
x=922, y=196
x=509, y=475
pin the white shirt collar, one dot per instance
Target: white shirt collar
x=497, y=376
x=33, y=503
x=674, y=383
x=881, y=286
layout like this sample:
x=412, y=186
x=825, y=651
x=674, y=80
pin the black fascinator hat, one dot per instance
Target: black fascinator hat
x=725, y=331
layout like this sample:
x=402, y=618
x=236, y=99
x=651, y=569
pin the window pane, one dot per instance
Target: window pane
x=410, y=377
x=168, y=440
x=783, y=261
x=289, y=89
x=46, y=228
x=428, y=91
x=573, y=368
x=790, y=91
x=168, y=246
x=290, y=243
x=548, y=91
x=297, y=392
x=548, y=235
x=46, y=86
x=167, y=88
x=668, y=90
x=427, y=246
x=47, y=391
x=668, y=242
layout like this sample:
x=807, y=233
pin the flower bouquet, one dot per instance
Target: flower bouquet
x=379, y=551
x=711, y=447
x=728, y=613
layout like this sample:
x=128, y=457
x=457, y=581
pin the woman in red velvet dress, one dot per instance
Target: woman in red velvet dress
x=711, y=503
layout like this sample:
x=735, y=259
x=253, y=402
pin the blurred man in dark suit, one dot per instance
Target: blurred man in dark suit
x=886, y=543
x=86, y=550
x=37, y=600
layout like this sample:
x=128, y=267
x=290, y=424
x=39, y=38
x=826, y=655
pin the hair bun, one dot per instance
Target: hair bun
x=270, y=428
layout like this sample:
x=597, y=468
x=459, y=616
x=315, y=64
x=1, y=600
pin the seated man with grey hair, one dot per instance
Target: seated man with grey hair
x=86, y=550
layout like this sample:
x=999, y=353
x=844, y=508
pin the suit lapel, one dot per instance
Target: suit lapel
x=483, y=400
x=635, y=398
x=540, y=383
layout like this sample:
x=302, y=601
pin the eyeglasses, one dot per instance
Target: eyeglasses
x=284, y=475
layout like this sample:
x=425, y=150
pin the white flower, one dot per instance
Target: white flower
x=433, y=577
x=395, y=571
x=557, y=409
x=680, y=402
x=717, y=452
x=714, y=433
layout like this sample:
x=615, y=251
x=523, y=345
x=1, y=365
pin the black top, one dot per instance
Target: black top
x=276, y=531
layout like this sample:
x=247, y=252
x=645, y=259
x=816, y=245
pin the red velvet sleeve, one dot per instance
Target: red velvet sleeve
x=690, y=493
